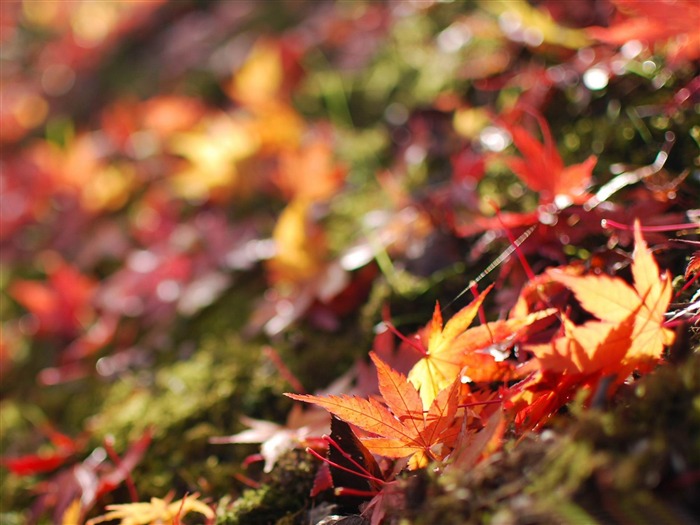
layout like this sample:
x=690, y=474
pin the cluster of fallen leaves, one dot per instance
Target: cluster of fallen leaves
x=118, y=226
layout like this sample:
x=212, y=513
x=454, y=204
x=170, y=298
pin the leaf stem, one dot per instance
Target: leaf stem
x=607, y=224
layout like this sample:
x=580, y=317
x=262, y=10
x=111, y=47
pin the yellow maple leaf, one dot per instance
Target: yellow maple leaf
x=451, y=348
x=155, y=512
x=260, y=78
x=300, y=246
x=213, y=154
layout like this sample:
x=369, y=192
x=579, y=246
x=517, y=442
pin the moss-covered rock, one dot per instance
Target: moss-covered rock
x=282, y=497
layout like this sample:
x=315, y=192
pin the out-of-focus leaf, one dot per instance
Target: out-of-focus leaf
x=154, y=512
x=62, y=305
x=522, y=22
x=672, y=24
x=213, y=154
x=543, y=170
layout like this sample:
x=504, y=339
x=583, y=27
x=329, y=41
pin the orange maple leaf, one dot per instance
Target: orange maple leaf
x=596, y=346
x=402, y=427
x=631, y=332
x=674, y=23
x=453, y=350
x=543, y=170
x=309, y=172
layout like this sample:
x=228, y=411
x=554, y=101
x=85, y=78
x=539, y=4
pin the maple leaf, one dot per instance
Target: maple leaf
x=452, y=349
x=261, y=86
x=671, y=22
x=277, y=439
x=156, y=511
x=213, y=154
x=543, y=170
x=352, y=469
x=441, y=363
x=693, y=265
x=62, y=306
x=309, y=172
x=536, y=399
x=595, y=346
x=542, y=290
x=615, y=302
x=260, y=78
x=31, y=464
x=401, y=428
x=86, y=482
x=300, y=245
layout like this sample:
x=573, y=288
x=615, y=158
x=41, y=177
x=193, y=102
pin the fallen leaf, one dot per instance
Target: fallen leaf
x=61, y=305
x=401, y=428
x=155, y=512
x=277, y=439
x=543, y=170
x=453, y=351
x=614, y=301
x=670, y=24
x=596, y=346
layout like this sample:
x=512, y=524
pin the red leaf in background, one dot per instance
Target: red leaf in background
x=87, y=481
x=36, y=464
x=693, y=265
x=543, y=170
x=30, y=464
x=674, y=23
x=62, y=305
x=467, y=167
x=161, y=115
x=149, y=285
x=26, y=194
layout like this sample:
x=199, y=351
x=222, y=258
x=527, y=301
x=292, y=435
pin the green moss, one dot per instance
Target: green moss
x=185, y=404
x=282, y=497
x=12, y=518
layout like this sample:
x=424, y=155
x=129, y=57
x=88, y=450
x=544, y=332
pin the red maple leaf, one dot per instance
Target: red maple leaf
x=670, y=23
x=543, y=170
x=62, y=305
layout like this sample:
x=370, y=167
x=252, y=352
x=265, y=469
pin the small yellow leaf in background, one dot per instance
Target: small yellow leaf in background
x=213, y=154
x=259, y=80
x=522, y=22
x=300, y=246
x=156, y=512
x=71, y=516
